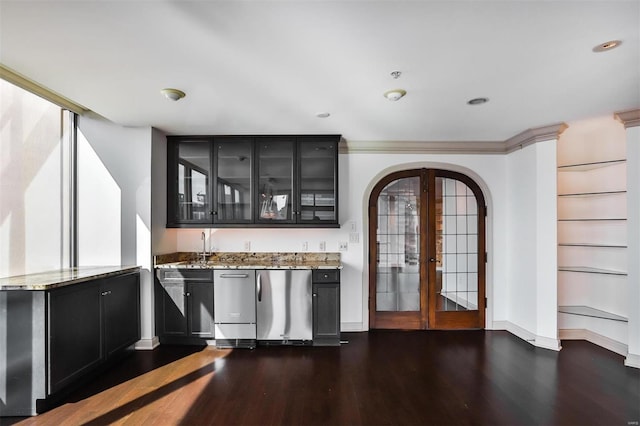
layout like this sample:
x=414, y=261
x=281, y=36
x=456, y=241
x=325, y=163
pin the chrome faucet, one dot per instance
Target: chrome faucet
x=204, y=248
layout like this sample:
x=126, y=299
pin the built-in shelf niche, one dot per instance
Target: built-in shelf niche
x=592, y=229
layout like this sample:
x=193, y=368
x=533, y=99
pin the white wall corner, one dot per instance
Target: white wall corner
x=147, y=344
x=547, y=343
x=632, y=360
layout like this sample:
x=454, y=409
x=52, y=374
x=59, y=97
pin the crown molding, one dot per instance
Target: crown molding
x=37, y=89
x=514, y=143
x=417, y=147
x=630, y=118
x=535, y=135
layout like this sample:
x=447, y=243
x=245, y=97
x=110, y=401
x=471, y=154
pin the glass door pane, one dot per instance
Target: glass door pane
x=275, y=180
x=194, y=170
x=398, y=247
x=456, y=246
x=317, y=181
x=233, y=181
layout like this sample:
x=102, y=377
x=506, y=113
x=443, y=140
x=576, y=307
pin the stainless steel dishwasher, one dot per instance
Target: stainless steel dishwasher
x=234, y=299
x=284, y=307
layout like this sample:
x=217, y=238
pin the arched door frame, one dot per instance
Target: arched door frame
x=489, y=230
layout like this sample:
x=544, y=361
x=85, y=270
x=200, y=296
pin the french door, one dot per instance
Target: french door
x=426, y=251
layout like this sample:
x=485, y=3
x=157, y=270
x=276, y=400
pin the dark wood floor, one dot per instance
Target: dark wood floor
x=378, y=378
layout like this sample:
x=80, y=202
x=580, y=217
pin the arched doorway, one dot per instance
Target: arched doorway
x=427, y=251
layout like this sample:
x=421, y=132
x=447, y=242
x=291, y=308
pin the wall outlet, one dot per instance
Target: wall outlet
x=247, y=246
x=323, y=245
x=354, y=238
x=343, y=246
x=305, y=246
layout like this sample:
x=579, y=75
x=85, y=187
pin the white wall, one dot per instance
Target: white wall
x=532, y=240
x=359, y=172
x=114, y=202
x=633, y=250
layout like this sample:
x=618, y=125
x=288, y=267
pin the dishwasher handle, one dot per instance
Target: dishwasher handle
x=259, y=287
x=234, y=275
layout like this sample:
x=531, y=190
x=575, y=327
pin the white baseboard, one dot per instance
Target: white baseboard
x=595, y=338
x=352, y=326
x=147, y=344
x=632, y=360
x=527, y=336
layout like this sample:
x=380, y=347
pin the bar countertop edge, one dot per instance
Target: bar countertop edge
x=63, y=277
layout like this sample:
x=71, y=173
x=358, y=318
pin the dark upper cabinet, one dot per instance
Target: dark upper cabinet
x=252, y=181
x=233, y=166
x=275, y=173
x=189, y=181
x=318, y=181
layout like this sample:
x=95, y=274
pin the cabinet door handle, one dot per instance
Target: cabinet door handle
x=259, y=284
x=187, y=294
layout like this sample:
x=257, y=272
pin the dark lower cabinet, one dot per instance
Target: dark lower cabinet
x=326, y=307
x=75, y=333
x=121, y=314
x=184, y=301
x=56, y=339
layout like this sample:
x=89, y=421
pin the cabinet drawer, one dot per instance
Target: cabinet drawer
x=185, y=274
x=326, y=275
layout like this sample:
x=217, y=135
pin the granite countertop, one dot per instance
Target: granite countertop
x=232, y=260
x=62, y=277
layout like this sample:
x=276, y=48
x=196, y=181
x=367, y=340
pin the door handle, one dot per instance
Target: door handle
x=259, y=284
x=234, y=275
x=431, y=259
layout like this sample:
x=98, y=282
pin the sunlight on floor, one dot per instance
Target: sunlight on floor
x=144, y=399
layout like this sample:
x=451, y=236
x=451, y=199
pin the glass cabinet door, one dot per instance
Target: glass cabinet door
x=318, y=163
x=233, y=164
x=193, y=200
x=275, y=180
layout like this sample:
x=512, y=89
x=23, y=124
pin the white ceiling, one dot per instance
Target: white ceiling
x=267, y=67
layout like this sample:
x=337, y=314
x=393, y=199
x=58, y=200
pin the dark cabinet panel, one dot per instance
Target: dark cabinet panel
x=185, y=305
x=252, y=181
x=121, y=308
x=326, y=308
x=200, y=311
x=75, y=333
x=174, y=314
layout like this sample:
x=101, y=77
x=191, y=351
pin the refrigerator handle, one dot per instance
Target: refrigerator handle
x=259, y=284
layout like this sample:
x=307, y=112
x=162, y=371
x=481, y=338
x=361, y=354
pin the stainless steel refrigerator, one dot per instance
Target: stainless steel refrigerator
x=284, y=307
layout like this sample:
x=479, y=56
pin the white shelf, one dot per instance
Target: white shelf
x=591, y=245
x=590, y=270
x=588, y=311
x=592, y=194
x=582, y=167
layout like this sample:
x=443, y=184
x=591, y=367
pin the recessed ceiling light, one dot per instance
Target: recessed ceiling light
x=323, y=115
x=173, y=94
x=608, y=45
x=478, y=101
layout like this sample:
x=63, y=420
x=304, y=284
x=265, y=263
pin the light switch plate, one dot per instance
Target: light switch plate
x=247, y=246
x=354, y=238
x=323, y=245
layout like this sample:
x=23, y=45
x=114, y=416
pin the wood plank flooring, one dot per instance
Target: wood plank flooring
x=378, y=378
